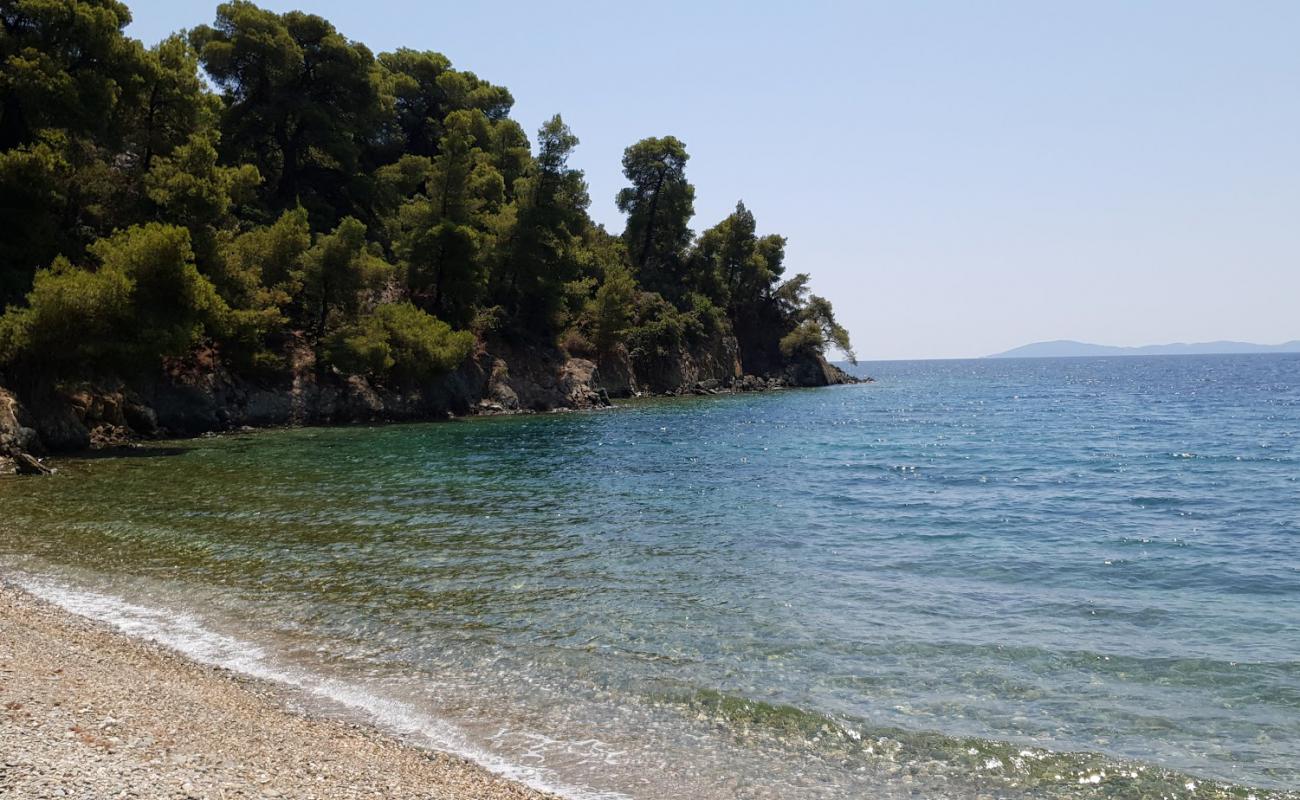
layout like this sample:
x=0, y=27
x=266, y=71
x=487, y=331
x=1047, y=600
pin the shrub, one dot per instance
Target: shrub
x=488, y=320
x=711, y=319
x=575, y=344
x=73, y=316
x=663, y=329
x=144, y=300
x=815, y=329
x=263, y=268
x=400, y=341
x=172, y=302
x=805, y=339
x=339, y=271
x=612, y=308
x=362, y=349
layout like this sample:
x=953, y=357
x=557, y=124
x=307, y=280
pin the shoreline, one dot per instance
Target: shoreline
x=21, y=463
x=90, y=711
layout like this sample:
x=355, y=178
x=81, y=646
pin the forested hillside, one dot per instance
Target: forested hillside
x=262, y=195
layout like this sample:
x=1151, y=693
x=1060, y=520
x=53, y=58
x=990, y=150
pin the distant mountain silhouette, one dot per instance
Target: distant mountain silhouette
x=1065, y=348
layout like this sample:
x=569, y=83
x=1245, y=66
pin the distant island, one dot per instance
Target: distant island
x=1066, y=348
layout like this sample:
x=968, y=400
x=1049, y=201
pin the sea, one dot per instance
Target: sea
x=1027, y=578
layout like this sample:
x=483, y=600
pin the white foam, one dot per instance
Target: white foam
x=187, y=635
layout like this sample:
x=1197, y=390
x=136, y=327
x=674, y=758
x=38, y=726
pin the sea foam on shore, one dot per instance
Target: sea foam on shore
x=142, y=718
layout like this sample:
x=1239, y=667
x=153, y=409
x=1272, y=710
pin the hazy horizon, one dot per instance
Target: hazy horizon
x=958, y=181
x=1009, y=352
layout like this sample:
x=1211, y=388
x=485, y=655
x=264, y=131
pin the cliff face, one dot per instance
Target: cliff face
x=200, y=394
x=18, y=437
x=713, y=363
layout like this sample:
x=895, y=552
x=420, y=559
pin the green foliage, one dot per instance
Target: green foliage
x=170, y=105
x=487, y=321
x=805, y=339
x=734, y=266
x=264, y=179
x=818, y=311
x=661, y=330
x=300, y=99
x=145, y=299
x=711, y=318
x=659, y=205
x=423, y=89
x=444, y=235
x=401, y=342
x=612, y=308
x=774, y=321
x=414, y=83
x=84, y=113
x=263, y=269
x=338, y=273
x=75, y=317
x=814, y=322
x=34, y=188
x=543, y=256
x=64, y=64
x=190, y=188
x=260, y=274
x=171, y=301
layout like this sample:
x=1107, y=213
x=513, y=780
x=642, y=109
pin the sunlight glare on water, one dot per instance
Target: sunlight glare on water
x=1035, y=578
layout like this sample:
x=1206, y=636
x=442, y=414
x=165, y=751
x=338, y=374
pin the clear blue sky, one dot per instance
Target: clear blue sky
x=959, y=178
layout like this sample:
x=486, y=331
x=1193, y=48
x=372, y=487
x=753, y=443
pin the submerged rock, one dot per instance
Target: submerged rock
x=27, y=464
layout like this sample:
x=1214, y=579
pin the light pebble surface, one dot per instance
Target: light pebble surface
x=87, y=712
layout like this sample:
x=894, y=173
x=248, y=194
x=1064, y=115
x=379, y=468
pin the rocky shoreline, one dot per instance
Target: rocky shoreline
x=87, y=712
x=201, y=395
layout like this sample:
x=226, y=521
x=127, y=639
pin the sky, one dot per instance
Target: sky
x=958, y=178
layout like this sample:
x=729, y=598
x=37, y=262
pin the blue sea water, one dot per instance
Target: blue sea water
x=1012, y=578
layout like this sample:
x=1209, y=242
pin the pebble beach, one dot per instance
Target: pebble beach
x=87, y=712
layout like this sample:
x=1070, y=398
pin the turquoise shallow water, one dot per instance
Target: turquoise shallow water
x=1029, y=578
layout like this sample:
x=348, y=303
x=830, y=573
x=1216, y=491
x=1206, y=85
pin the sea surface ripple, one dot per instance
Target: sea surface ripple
x=1022, y=578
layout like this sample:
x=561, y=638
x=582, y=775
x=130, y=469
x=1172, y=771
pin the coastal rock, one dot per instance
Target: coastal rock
x=193, y=397
x=500, y=394
x=17, y=431
x=139, y=417
x=580, y=385
x=680, y=371
x=533, y=378
x=26, y=464
x=614, y=373
x=359, y=401
x=109, y=435
x=200, y=394
x=59, y=425
x=812, y=370
x=268, y=407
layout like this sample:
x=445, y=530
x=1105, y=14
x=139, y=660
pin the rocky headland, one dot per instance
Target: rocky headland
x=200, y=394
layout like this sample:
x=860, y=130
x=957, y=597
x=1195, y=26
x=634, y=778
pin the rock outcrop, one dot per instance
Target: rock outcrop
x=538, y=379
x=679, y=372
x=28, y=464
x=18, y=437
x=200, y=394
